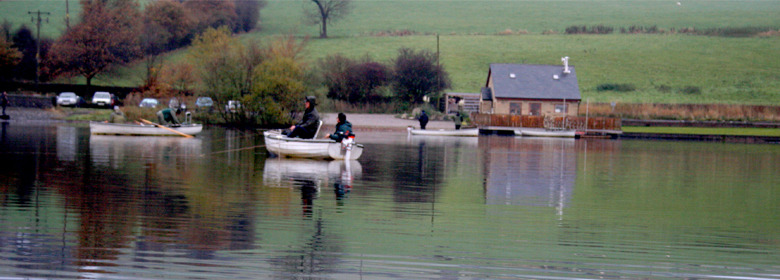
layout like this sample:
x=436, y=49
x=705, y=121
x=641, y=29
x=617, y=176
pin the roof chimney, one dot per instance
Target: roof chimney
x=565, y=60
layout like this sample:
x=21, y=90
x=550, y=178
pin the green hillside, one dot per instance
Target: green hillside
x=725, y=70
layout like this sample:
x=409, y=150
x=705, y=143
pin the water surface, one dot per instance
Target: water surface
x=75, y=205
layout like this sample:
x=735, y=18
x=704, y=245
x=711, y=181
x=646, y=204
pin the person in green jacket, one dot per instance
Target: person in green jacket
x=343, y=129
x=458, y=119
x=117, y=116
x=167, y=116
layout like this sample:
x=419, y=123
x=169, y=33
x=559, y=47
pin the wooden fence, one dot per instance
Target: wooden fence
x=578, y=123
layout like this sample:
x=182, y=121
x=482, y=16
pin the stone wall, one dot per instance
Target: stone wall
x=31, y=101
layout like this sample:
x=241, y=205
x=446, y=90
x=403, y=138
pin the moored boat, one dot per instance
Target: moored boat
x=140, y=129
x=546, y=132
x=283, y=146
x=468, y=132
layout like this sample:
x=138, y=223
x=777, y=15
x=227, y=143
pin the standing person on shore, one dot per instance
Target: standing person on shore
x=343, y=129
x=423, y=119
x=4, y=101
x=458, y=119
x=310, y=122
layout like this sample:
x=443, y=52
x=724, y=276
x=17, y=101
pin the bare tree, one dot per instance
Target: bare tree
x=327, y=11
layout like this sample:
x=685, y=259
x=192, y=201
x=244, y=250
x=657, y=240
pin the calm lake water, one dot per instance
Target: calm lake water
x=76, y=206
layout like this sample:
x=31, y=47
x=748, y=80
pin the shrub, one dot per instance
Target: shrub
x=616, y=87
x=663, y=88
x=639, y=30
x=417, y=74
x=598, y=29
x=690, y=90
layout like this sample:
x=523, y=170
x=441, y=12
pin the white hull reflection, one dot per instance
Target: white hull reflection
x=444, y=141
x=111, y=150
x=288, y=173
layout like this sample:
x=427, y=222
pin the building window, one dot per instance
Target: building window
x=561, y=108
x=536, y=109
x=515, y=108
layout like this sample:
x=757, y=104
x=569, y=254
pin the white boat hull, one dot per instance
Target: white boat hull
x=468, y=132
x=546, y=133
x=283, y=146
x=147, y=130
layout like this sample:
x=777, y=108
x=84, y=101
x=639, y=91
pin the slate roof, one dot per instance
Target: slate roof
x=533, y=82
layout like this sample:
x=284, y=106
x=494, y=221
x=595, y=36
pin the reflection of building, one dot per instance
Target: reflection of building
x=67, y=143
x=530, y=171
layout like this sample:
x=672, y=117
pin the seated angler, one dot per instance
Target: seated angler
x=310, y=122
x=343, y=129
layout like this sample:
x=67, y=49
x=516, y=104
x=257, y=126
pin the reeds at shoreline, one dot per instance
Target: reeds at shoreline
x=700, y=112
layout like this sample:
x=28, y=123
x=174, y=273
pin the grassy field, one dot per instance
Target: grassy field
x=704, y=131
x=726, y=70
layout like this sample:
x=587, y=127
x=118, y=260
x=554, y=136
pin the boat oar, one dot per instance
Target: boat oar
x=163, y=127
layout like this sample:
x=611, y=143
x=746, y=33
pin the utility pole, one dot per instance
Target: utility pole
x=67, y=15
x=38, y=45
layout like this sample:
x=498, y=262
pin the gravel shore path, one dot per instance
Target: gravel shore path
x=32, y=114
x=381, y=122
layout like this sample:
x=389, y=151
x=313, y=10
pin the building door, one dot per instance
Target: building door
x=536, y=109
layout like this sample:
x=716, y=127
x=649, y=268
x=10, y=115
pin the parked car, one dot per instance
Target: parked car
x=102, y=99
x=204, y=103
x=149, y=103
x=70, y=99
x=115, y=100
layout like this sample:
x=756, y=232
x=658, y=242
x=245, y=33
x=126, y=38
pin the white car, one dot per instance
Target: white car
x=148, y=103
x=69, y=99
x=102, y=99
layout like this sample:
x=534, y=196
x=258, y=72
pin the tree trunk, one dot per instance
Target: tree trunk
x=89, y=84
x=324, y=31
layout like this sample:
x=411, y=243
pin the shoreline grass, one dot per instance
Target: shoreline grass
x=740, y=131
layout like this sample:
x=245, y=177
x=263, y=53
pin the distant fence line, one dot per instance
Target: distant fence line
x=578, y=123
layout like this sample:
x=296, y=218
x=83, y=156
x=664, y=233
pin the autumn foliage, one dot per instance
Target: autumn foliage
x=107, y=36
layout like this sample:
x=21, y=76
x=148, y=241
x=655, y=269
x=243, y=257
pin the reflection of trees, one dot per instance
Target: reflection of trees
x=314, y=257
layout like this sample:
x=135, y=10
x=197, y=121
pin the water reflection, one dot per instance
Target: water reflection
x=173, y=211
x=67, y=143
x=310, y=176
x=110, y=150
x=530, y=171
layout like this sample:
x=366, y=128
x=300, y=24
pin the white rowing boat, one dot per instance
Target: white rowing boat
x=283, y=146
x=139, y=129
x=467, y=132
x=546, y=132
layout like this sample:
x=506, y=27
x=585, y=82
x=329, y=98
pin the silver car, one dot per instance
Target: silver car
x=69, y=99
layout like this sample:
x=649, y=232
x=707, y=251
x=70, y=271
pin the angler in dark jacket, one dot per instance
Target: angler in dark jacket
x=343, y=129
x=310, y=122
